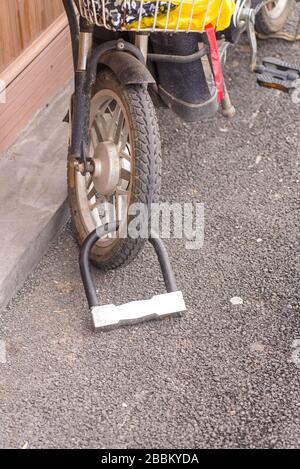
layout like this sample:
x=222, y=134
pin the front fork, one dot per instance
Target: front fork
x=86, y=59
x=82, y=98
x=142, y=42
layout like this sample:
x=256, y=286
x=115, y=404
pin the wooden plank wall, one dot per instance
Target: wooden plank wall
x=40, y=80
x=35, y=60
x=21, y=22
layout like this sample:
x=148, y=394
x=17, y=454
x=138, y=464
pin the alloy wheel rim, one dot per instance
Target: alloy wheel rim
x=110, y=135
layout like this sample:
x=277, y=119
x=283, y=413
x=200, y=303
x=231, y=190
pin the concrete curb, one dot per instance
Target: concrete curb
x=33, y=194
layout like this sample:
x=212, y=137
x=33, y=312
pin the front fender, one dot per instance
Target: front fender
x=127, y=68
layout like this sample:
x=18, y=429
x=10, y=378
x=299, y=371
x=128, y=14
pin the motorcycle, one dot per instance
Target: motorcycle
x=130, y=56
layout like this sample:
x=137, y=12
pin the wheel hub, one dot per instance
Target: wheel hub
x=107, y=168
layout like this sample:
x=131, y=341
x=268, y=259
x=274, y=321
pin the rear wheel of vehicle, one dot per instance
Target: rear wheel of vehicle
x=273, y=16
x=125, y=150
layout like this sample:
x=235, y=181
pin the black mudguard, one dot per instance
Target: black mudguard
x=127, y=68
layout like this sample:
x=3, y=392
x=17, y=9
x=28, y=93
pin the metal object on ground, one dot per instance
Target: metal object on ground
x=110, y=316
x=228, y=110
x=160, y=306
x=274, y=73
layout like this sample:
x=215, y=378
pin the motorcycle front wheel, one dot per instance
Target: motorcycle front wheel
x=124, y=145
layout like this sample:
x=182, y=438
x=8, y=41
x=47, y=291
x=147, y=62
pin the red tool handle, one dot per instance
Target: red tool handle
x=215, y=60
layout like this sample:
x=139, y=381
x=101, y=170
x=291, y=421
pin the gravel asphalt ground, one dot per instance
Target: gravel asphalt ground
x=223, y=375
